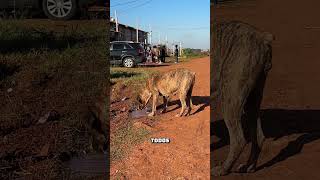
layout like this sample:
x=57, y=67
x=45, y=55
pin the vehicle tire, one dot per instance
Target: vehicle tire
x=60, y=9
x=128, y=62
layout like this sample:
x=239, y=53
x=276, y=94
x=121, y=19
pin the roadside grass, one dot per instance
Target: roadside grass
x=185, y=58
x=191, y=57
x=118, y=176
x=124, y=139
x=65, y=73
x=48, y=66
x=135, y=78
x=197, y=56
x=21, y=36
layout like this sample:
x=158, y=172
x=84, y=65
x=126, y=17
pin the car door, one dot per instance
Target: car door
x=127, y=50
x=116, y=52
x=112, y=59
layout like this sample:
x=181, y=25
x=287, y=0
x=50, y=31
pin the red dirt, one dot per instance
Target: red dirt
x=187, y=154
x=291, y=99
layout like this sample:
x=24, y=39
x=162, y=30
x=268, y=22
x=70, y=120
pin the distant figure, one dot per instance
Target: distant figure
x=163, y=54
x=159, y=54
x=176, y=53
x=149, y=55
x=154, y=54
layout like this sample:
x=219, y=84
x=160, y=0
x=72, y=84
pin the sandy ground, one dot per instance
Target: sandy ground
x=291, y=115
x=187, y=155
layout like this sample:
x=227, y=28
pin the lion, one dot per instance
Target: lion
x=179, y=81
x=242, y=60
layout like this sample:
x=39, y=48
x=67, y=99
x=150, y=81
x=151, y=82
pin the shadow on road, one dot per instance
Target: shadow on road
x=277, y=123
x=202, y=101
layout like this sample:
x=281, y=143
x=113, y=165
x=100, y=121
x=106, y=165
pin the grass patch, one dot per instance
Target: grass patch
x=123, y=74
x=135, y=78
x=19, y=36
x=119, y=176
x=197, y=56
x=185, y=58
x=44, y=75
x=194, y=53
x=124, y=139
x=189, y=58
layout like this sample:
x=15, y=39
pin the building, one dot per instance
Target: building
x=126, y=33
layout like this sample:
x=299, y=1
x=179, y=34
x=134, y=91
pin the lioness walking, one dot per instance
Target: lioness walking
x=179, y=81
x=242, y=59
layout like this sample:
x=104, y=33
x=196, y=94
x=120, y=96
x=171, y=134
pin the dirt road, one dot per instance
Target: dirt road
x=187, y=155
x=291, y=115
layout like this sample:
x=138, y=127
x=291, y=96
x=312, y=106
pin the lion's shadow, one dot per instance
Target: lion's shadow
x=277, y=123
x=200, y=101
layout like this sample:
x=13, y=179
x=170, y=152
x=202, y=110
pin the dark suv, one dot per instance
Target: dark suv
x=54, y=9
x=126, y=53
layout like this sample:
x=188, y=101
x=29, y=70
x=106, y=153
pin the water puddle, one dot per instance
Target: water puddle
x=140, y=113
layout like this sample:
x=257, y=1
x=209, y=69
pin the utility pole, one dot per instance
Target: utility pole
x=117, y=35
x=180, y=48
x=166, y=43
x=137, y=31
x=150, y=34
x=173, y=48
x=116, y=18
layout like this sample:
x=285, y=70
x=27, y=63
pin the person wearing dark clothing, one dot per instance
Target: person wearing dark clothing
x=176, y=53
x=163, y=54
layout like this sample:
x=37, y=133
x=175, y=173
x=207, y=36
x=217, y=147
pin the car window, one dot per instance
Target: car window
x=136, y=45
x=118, y=46
x=127, y=46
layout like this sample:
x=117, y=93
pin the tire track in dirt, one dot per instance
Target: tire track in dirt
x=187, y=156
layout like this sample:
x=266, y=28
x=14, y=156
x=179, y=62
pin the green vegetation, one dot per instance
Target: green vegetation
x=124, y=139
x=48, y=66
x=193, y=53
x=134, y=77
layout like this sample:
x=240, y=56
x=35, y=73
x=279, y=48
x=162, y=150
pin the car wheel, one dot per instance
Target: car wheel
x=128, y=62
x=60, y=9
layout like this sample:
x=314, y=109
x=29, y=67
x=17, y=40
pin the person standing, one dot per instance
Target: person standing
x=154, y=54
x=149, y=55
x=176, y=53
x=159, y=54
x=163, y=54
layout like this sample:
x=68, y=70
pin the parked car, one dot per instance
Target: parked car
x=53, y=9
x=126, y=53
